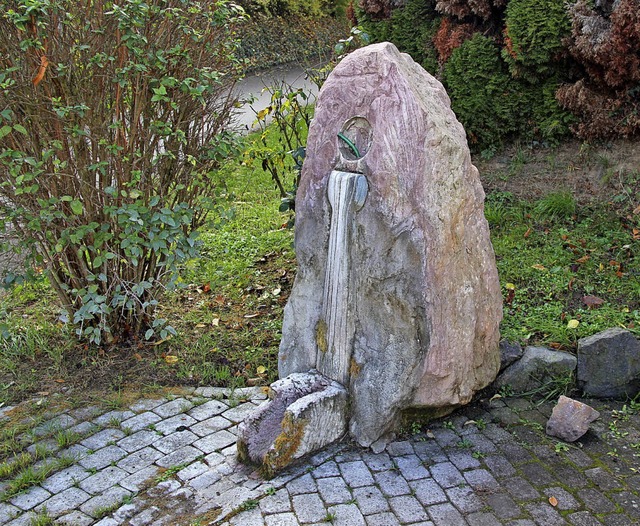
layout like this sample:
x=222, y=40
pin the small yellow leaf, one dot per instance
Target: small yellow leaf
x=538, y=266
x=510, y=286
x=276, y=292
x=553, y=501
x=261, y=369
x=215, y=322
x=200, y=326
x=495, y=397
x=573, y=324
x=469, y=423
x=170, y=358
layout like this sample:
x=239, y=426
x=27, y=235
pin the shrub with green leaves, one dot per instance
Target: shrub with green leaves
x=534, y=33
x=112, y=119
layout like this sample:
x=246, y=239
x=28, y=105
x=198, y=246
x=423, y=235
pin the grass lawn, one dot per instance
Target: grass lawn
x=558, y=262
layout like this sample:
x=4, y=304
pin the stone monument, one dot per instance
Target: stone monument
x=396, y=303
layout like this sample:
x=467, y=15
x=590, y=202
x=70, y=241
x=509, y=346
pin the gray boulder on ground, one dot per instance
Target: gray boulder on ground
x=609, y=364
x=509, y=353
x=537, y=367
x=570, y=419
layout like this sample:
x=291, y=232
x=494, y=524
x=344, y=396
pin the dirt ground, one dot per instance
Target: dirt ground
x=590, y=172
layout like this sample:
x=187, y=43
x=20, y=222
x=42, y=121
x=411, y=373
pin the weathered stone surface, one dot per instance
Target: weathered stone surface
x=509, y=353
x=307, y=411
x=422, y=287
x=570, y=419
x=609, y=364
x=537, y=366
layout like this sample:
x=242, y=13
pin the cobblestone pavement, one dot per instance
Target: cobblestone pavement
x=171, y=461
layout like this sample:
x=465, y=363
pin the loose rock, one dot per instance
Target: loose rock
x=570, y=419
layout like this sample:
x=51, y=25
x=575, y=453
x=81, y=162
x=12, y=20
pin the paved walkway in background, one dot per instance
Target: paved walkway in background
x=171, y=461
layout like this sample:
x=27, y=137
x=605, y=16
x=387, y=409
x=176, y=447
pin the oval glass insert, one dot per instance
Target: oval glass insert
x=355, y=138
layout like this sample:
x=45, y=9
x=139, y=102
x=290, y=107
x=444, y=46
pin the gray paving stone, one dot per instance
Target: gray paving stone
x=446, y=437
x=64, y=479
x=181, y=456
x=26, y=519
x=521, y=489
x=579, y=458
x=347, y=515
x=146, y=516
x=356, y=474
x=430, y=452
x=107, y=521
x=110, y=498
x=309, y=508
x=566, y=501
x=348, y=455
x=103, y=480
x=377, y=462
x=177, y=423
x=328, y=469
x=445, y=515
x=103, y=457
x=247, y=518
x=303, y=484
x=219, y=440
x=595, y=501
x=102, y=438
x=192, y=471
x=427, y=491
x=515, y=453
x=8, y=512
x=146, y=404
x=141, y=421
x=64, y=502
x=75, y=518
x=75, y=452
x=496, y=433
x=173, y=408
x=503, y=505
x=113, y=417
x=583, y=518
x=463, y=460
x=140, y=478
x=408, y=509
x=138, y=440
x=537, y=474
x=481, y=480
x=411, y=467
x=446, y=474
x=210, y=425
x=382, y=519
x=30, y=498
x=482, y=519
x=603, y=479
x=465, y=499
x=370, y=500
x=481, y=443
x=279, y=502
x=175, y=441
x=392, y=483
x=239, y=413
x=281, y=519
x=334, y=490
x=85, y=428
x=543, y=514
x=400, y=448
x=499, y=466
x=208, y=410
x=204, y=480
x=139, y=460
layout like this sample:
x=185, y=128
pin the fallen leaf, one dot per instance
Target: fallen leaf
x=138, y=356
x=553, y=501
x=430, y=434
x=170, y=358
x=215, y=322
x=495, y=397
x=583, y=259
x=206, y=288
x=200, y=326
x=276, y=292
x=510, y=286
x=261, y=369
x=573, y=324
x=469, y=423
x=527, y=233
x=592, y=301
x=570, y=286
x=538, y=266
x=59, y=380
x=252, y=382
x=250, y=315
x=636, y=210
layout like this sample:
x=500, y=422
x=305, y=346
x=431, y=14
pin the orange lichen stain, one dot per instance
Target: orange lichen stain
x=285, y=446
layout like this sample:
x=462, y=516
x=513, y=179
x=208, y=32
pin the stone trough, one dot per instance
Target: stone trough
x=396, y=303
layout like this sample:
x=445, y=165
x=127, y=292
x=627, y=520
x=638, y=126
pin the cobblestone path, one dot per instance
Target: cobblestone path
x=171, y=461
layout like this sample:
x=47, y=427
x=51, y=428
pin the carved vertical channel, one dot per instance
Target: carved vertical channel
x=346, y=193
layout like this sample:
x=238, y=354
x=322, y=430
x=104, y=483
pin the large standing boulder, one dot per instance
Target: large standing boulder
x=609, y=364
x=419, y=291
